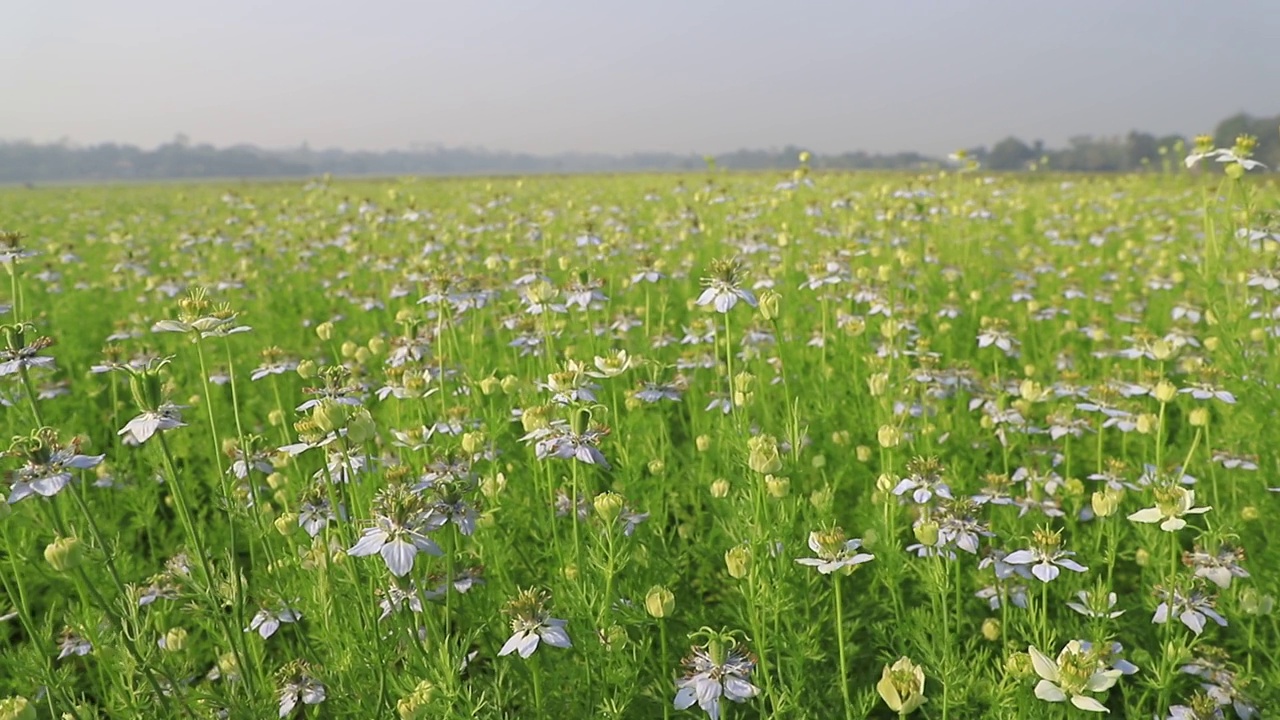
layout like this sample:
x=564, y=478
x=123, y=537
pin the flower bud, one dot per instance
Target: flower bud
x=927, y=533
x=64, y=553
x=877, y=384
x=889, y=436
x=490, y=385
x=1105, y=502
x=286, y=524
x=307, y=369
x=324, y=331
x=510, y=384
x=660, y=602
x=1165, y=391
x=702, y=442
x=1249, y=513
x=886, y=482
x=901, y=686
x=377, y=345
x=769, y=302
x=348, y=349
x=174, y=640
x=822, y=499
x=1199, y=417
x=275, y=418
x=493, y=485
x=1019, y=665
x=777, y=487
x=363, y=355
x=657, y=466
x=277, y=480
x=570, y=572
x=1147, y=423
x=361, y=428
x=17, y=708
x=863, y=453
x=762, y=455
x=738, y=560
x=991, y=629
x=474, y=442
x=608, y=505
x=1142, y=557
x=720, y=488
x=1255, y=603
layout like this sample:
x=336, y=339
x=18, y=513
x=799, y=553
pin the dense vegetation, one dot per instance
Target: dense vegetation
x=943, y=445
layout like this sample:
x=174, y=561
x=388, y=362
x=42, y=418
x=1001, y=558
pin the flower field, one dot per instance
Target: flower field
x=947, y=445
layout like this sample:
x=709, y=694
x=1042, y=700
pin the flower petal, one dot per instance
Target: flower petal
x=1046, y=690
x=1044, y=667
x=1087, y=703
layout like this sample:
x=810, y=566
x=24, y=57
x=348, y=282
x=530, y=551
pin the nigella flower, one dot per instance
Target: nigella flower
x=1096, y=604
x=1220, y=682
x=1202, y=707
x=1205, y=391
x=18, y=355
x=531, y=625
x=561, y=441
x=267, y=622
x=1191, y=607
x=652, y=392
x=1172, y=503
x=72, y=643
x=1111, y=656
x=398, y=597
x=274, y=362
x=298, y=685
x=714, y=670
x=48, y=464
x=1218, y=567
x=923, y=481
x=958, y=526
x=398, y=533
x=834, y=552
x=723, y=289
x=1045, y=556
x=315, y=513
x=612, y=364
x=1074, y=673
x=140, y=429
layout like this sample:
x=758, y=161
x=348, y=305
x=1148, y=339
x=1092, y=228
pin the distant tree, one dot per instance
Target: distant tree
x=1010, y=154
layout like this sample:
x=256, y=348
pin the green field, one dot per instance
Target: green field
x=597, y=447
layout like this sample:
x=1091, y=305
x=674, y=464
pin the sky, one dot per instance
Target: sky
x=703, y=76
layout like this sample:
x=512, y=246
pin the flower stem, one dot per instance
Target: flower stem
x=844, y=666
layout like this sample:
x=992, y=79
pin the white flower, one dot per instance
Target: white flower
x=1074, y=673
x=1171, y=504
x=141, y=428
x=397, y=545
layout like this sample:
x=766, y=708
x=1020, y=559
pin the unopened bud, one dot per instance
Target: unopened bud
x=738, y=560
x=324, y=331
x=659, y=602
x=64, y=553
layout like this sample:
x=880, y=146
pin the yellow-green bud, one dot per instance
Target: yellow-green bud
x=286, y=524
x=1142, y=557
x=275, y=418
x=377, y=345
x=863, y=453
x=1019, y=665
x=608, y=505
x=1255, y=603
x=927, y=533
x=738, y=560
x=1199, y=417
x=822, y=499
x=307, y=369
x=1105, y=502
x=901, y=686
x=762, y=455
x=360, y=427
x=720, y=488
x=175, y=640
x=1249, y=513
x=490, y=385
x=1165, y=391
x=702, y=442
x=324, y=331
x=510, y=384
x=657, y=466
x=769, y=302
x=991, y=629
x=777, y=487
x=660, y=602
x=877, y=384
x=474, y=442
x=64, y=553
x=362, y=355
x=889, y=436
x=17, y=708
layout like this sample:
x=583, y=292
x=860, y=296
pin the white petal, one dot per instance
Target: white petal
x=399, y=557
x=1147, y=515
x=1046, y=690
x=528, y=644
x=685, y=698
x=556, y=636
x=512, y=643
x=369, y=543
x=1044, y=667
x=1020, y=557
x=1088, y=703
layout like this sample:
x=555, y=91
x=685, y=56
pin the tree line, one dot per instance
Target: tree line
x=26, y=162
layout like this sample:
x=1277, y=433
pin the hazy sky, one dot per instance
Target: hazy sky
x=675, y=75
